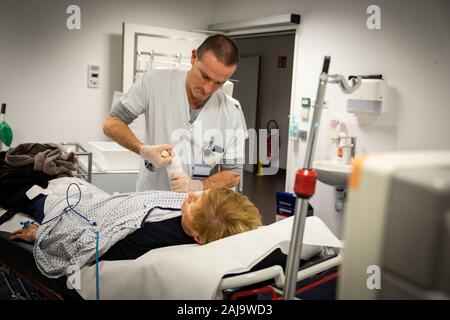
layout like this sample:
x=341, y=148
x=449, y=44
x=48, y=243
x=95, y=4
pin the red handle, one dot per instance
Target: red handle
x=305, y=183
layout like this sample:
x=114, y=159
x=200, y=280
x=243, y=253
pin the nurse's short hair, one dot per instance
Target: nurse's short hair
x=223, y=213
x=224, y=49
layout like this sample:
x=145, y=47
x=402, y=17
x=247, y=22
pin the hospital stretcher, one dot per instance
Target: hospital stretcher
x=17, y=262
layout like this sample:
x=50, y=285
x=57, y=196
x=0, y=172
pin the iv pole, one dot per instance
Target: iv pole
x=305, y=179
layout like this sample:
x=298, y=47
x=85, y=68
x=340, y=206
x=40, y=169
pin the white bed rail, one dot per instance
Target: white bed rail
x=79, y=151
x=276, y=273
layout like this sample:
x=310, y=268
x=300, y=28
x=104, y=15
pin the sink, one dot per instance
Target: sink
x=332, y=173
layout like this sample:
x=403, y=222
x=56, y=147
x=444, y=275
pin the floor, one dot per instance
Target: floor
x=261, y=190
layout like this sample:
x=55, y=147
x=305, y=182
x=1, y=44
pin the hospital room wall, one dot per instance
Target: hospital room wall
x=411, y=51
x=43, y=65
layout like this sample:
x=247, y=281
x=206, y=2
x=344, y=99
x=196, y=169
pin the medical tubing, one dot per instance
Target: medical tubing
x=69, y=206
x=93, y=223
x=97, y=277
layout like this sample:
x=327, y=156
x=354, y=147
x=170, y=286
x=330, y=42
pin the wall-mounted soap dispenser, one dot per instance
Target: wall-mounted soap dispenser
x=369, y=98
x=294, y=131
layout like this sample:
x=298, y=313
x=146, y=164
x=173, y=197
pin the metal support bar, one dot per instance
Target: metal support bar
x=25, y=290
x=85, y=173
x=301, y=206
x=311, y=146
x=153, y=64
x=9, y=285
x=300, y=214
x=295, y=248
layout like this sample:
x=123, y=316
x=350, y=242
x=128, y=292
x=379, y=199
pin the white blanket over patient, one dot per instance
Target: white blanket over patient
x=195, y=271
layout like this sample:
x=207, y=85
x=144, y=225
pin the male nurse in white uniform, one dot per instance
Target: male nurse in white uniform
x=187, y=115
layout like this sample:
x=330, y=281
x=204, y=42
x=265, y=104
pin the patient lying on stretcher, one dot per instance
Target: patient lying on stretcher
x=129, y=225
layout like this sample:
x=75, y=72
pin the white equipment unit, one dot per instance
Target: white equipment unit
x=397, y=227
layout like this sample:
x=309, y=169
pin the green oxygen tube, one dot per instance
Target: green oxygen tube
x=6, y=135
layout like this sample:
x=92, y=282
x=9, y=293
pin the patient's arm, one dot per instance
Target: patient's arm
x=227, y=179
x=26, y=234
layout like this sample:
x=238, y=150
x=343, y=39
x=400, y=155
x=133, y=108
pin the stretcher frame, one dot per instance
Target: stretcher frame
x=273, y=276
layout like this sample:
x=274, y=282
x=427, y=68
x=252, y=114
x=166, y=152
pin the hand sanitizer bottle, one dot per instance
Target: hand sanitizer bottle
x=293, y=128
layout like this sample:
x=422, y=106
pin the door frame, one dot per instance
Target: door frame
x=295, y=72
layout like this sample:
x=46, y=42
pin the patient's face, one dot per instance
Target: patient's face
x=193, y=200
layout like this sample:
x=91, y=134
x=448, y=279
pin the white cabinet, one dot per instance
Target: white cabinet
x=114, y=168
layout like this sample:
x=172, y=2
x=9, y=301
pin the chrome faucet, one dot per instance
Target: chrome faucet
x=350, y=143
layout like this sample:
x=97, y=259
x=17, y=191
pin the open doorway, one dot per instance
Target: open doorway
x=263, y=87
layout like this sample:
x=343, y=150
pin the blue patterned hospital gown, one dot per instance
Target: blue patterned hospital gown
x=70, y=241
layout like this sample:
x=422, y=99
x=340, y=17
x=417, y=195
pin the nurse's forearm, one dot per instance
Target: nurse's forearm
x=227, y=179
x=119, y=131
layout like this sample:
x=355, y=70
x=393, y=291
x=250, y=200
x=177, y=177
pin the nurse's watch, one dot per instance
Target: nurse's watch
x=150, y=167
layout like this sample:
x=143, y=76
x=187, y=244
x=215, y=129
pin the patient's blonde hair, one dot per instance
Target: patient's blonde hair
x=223, y=213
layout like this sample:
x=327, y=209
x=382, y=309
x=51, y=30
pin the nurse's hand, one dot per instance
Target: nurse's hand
x=159, y=155
x=180, y=182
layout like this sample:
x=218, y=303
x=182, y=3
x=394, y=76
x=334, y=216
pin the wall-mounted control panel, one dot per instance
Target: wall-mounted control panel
x=93, y=76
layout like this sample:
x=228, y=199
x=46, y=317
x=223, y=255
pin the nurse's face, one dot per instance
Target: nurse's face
x=207, y=75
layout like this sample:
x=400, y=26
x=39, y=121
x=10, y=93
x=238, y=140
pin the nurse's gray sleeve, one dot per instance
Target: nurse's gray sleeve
x=136, y=100
x=120, y=111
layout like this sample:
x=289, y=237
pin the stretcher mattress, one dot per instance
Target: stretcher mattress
x=19, y=257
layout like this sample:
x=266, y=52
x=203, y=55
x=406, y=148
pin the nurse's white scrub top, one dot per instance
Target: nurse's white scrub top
x=161, y=96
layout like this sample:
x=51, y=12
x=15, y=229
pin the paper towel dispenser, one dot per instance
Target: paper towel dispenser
x=369, y=97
